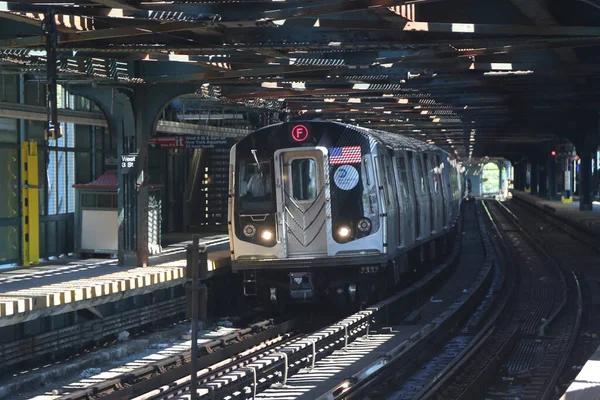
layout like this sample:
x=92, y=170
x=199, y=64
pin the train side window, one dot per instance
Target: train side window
x=429, y=171
x=383, y=177
x=437, y=173
x=304, y=179
x=441, y=166
x=402, y=175
x=421, y=173
x=390, y=181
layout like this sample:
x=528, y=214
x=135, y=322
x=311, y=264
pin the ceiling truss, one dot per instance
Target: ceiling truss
x=470, y=86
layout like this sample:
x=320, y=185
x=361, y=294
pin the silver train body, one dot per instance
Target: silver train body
x=320, y=208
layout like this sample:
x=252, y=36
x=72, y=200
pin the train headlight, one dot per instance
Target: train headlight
x=344, y=232
x=249, y=230
x=364, y=225
x=266, y=235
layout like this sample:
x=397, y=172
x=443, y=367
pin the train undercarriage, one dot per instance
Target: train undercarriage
x=342, y=286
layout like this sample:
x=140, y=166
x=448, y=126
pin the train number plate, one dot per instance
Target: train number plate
x=371, y=269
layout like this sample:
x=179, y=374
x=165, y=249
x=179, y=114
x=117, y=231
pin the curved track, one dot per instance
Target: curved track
x=523, y=351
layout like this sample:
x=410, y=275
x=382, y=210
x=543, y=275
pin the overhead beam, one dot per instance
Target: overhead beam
x=182, y=128
x=116, y=4
x=39, y=113
x=539, y=14
x=327, y=8
x=207, y=76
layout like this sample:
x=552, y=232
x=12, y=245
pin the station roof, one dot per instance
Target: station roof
x=493, y=77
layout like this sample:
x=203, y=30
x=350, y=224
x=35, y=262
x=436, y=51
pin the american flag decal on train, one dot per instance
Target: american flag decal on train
x=344, y=155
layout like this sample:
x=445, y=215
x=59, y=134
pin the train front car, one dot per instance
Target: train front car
x=304, y=211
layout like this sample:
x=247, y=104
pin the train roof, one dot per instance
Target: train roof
x=394, y=140
x=399, y=142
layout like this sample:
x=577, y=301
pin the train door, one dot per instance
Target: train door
x=407, y=215
x=301, y=196
x=419, y=191
x=393, y=228
x=444, y=167
x=435, y=189
x=423, y=194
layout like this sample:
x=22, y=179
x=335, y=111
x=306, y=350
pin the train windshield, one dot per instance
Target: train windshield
x=255, y=186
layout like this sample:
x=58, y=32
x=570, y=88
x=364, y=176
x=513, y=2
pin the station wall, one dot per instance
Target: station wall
x=81, y=155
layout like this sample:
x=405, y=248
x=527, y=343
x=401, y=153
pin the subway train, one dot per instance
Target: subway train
x=322, y=211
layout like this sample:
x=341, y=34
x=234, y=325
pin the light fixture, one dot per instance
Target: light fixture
x=344, y=232
x=364, y=225
x=249, y=230
x=266, y=235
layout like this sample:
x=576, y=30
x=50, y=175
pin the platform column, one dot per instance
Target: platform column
x=553, y=172
x=535, y=178
x=519, y=176
x=117, y=108
x=30, y=198
x=149, y=102
x=527, y=171
x=566, y=162
x=585, y=188
x=586, y=149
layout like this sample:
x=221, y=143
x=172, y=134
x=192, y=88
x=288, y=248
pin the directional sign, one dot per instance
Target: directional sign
x=192, y=142
x=169, y=142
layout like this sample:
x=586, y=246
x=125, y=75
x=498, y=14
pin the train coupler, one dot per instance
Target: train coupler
x=301, y=285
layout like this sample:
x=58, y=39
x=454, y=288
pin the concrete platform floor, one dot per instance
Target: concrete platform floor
x=51, y=289
x=588, y=220
x=587, y=384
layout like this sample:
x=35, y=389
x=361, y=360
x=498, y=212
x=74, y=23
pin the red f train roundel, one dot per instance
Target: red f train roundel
x=299, y=133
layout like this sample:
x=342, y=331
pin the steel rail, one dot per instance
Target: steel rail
x=454, y=368
x=400, y=359
x=278, y=367
x=502, y=339
x=72, y=336
x=571, y=273
x=164, y=372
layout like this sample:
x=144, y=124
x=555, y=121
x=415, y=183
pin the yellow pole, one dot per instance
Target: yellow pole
x=30, y=196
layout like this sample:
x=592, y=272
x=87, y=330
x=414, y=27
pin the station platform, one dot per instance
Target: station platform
x=70, y=284
x=587, y=384
x=589, y=221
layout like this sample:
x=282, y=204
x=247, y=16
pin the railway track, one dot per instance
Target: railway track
x=521, y=350
x=233, y=348
x=396, y=348
x=245, y=368
x=256, y=367
x=423, y=366
x=76, y=336
x=579, y=251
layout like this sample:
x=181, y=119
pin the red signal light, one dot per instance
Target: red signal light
x=553, y=153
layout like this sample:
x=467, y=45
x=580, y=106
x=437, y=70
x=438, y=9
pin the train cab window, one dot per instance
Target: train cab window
x=255, y=186
x=304, y=179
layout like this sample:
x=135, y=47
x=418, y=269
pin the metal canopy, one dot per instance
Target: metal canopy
x=492, y=78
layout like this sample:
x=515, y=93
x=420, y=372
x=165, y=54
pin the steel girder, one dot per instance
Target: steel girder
x=367, y=61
